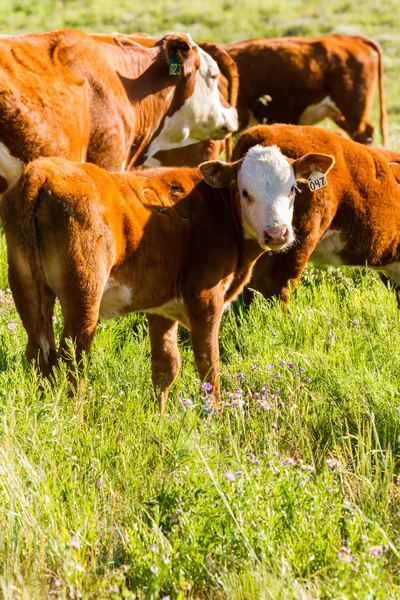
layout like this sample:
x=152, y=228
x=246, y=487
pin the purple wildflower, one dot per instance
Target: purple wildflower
x=256, y=395
x=206, y=387
x=253, y=367
x=302, y=370
x=240, y=376
x=308, y=379
x=232, y=476
x=282, y=363
x=287, y=462
x=274, y=425
x=291, y=365
x=277, y=375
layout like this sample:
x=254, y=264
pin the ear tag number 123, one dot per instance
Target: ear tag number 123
x=317, y=181
x=175, y=66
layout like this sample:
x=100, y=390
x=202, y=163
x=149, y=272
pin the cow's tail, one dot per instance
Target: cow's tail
x=19, y=215
x=383, y=116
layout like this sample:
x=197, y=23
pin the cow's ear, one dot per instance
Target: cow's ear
x=218, y=174
x=179, y=49
x=304, y=166
x=395, y=167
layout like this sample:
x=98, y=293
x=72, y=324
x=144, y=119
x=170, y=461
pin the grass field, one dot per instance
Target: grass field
x=295, y=496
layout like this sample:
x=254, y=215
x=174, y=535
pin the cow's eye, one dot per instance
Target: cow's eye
x=214, y=75
x=245, y=194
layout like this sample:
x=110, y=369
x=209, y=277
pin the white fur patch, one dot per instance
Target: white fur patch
x=201, y=117
x=268, y=178
x=10, y=167
x=327, y=250
x=318, y=112
x=116, y=298
x=174, y=309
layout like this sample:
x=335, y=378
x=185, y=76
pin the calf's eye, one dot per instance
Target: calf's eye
x=245, y=194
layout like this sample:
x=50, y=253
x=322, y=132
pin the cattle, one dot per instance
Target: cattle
x=177, y=244
x=354, y=220
x=228, y=85
x=304, y=80
x=66, y=94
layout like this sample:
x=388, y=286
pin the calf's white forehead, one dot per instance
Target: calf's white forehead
x=264, y=170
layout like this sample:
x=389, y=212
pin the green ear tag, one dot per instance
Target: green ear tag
x=175, y=66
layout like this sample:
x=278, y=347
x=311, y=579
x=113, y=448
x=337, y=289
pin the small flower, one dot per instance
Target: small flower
x=277, y=391
x=274, y=425
x=363, y=538
x=99, y=481
x=272, y=396
x=240, y=376
x=256, y=395
x=376, y=551
x=74, y=458
x=302, y=370
x=308, y=379
x=344, y=554
x=291, y=365
x=11, y=325
x=232, y=476
x=257, y=471
x=75, y=542
x=253, y=367
x=277, y=375
x=206, y=387
x=270, y=367
x=288, y=462
x=276, y=454
x=153, y=547
x=57, y=583
x=332, y=464
x=282, y=363
x=187, y=403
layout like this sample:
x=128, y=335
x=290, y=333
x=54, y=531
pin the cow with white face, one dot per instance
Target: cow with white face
x=266, y=187
x=204, y=111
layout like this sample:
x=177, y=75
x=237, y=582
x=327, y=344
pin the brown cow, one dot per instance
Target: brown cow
x=304, y=80
x=228, y=84
x=66, y=94
x=161, y=241
x=355, y=220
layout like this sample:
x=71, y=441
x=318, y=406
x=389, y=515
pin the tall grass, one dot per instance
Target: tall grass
x=291, y=496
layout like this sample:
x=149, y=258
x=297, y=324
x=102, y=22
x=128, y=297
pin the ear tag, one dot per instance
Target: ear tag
x=317, y=180
x=175, y=66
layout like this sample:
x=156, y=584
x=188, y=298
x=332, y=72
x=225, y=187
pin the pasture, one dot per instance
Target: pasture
x=293, y=493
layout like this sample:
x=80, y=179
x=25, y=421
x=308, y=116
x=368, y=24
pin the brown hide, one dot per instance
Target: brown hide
x=160, y=241
x=66, y=94
x=298, y=72
x=361, y=204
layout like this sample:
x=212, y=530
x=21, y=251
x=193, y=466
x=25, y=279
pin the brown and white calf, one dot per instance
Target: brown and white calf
x=166, y=242
x=66, y=94
x=355, y=220
x=303, y=80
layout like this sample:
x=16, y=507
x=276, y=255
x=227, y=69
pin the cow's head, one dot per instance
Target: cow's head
x=265, y=183
x=198, y=110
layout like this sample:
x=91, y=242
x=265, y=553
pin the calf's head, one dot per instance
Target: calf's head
x=265, y=182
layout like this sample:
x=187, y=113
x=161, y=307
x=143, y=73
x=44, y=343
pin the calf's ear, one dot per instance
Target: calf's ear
x=218, y=174
x=395, y=167
x=304, y=166
x=182, y=54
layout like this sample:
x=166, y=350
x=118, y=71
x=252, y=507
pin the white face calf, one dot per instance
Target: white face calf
x=266, y=184
x=204, y=115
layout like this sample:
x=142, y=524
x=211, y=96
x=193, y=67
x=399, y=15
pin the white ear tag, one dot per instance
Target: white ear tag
x=317, y=181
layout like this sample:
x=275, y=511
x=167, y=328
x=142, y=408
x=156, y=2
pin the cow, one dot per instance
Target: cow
x=177, y=244
x=228, y=84
x=304, y=80
x=354, y=220
x=66, y=94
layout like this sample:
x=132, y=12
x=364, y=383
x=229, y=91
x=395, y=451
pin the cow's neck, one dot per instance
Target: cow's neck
x=248, y=250
x=150, y=91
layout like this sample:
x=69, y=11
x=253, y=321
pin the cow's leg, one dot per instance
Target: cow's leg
x=204, y=327
x=165, y=358
x=81, y=314
x=36, y=312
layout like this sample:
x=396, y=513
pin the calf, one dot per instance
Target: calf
x=304, y=80
x=164, y=241
x=355, y=220
x=67, y=94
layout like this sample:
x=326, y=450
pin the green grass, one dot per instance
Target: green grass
x=241, y=506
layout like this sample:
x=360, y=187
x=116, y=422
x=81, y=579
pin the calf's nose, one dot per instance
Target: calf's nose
x=276, y=235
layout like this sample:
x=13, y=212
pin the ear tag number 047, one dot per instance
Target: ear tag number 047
x=175, y=66
x=317, y=181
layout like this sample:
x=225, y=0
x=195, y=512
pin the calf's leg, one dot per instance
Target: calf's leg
x=165, y=358
x=35, y=308
x=204, y=329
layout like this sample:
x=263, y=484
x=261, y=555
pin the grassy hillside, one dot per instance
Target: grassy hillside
x=295, y=496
